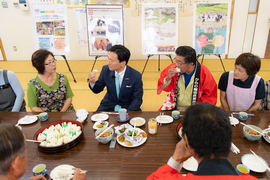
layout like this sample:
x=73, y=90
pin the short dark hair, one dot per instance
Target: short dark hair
x=208, y=130
x=250, y=62
x=12, y=144
x=123, y=54
x=38, y=59
x=188, y=53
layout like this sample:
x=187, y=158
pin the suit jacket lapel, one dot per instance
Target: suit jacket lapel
x=125, y=81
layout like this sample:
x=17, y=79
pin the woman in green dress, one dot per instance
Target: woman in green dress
x=48, y=91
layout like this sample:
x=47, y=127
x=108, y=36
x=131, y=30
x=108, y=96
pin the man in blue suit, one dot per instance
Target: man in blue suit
x=124, y=84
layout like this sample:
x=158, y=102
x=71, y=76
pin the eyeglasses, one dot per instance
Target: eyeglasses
x=179, y=62
x=50, y=63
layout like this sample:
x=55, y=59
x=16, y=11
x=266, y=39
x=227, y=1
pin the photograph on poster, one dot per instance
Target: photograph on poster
x=159, y=28
x=51, y=28
x=105, y=28
x=211, y=28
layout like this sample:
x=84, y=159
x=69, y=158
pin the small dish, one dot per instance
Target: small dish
x=99, y=117
x=54, y=172
x=234, y=120
x=253, y=163
x=105, y=124
x=191, y=164
x=165, y=119
x=27, y=120
x=138, y=121
x=266, y=136
x=127, y=118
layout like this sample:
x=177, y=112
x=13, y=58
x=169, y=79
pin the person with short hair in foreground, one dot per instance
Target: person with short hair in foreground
x=13, y=155
x=207, y=136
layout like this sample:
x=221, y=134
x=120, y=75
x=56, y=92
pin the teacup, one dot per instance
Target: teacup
x=243, y=116
x=40, y=169
x=43, y=116
x=175, y=114
x=241, y=168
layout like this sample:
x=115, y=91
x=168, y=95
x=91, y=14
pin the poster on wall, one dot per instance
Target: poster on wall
x=50, y=24
x=104, y=28
x=72, y=3
x=211, y=27
x=80, y=25
x=159, y=28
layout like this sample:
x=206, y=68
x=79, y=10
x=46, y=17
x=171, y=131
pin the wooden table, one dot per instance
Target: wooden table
x=101, y=162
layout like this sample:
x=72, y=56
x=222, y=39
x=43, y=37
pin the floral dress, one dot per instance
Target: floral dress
x=52, y=101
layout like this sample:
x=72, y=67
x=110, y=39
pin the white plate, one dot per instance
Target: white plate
x=28, y=119
x=99, y=117
x=165, y=119
x=98, y=122
x=253, y=163
x=136, y=145
x=266, y=137
x=234, y=120
x=191, y=164
x=54, y=172
x=136, y=119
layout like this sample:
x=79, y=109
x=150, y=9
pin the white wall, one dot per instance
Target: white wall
x=16, y=29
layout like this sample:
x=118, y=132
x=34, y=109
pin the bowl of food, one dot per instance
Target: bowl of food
x=131, y=132
x=59, y=136
x=250, y=134
x=179, y=130
x=106, y=137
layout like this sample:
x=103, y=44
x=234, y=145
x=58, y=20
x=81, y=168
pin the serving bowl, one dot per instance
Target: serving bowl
x=106, y=139
x=63, y=147
x=252, y=137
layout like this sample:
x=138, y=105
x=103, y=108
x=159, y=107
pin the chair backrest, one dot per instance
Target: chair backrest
x=265, y=103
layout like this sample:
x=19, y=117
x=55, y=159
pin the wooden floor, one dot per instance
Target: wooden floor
x=83, y=96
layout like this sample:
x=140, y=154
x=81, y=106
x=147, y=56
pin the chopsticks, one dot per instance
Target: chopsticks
x=33, y=140
x=160, y=118
x=252, y=128
x=72, y=171
x=133, y=130
x=260, y=160
x=104, y=131
x=109, y=112
x=232, y=119
x=247, y=114
x=234, y=148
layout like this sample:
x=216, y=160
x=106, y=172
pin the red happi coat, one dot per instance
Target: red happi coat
x=206, y=92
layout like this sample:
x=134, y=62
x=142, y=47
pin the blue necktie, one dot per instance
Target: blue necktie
x=117, y=85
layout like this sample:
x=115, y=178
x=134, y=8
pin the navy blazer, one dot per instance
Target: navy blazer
x=131, y=92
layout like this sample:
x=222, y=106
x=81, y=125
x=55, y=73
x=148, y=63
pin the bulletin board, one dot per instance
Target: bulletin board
x=104, y=28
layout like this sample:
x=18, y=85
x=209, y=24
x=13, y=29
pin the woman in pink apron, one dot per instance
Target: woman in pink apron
x=242, y=89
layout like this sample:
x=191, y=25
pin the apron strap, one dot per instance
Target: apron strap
x=5, y=76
